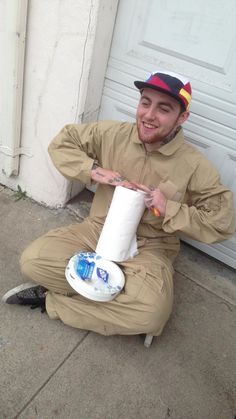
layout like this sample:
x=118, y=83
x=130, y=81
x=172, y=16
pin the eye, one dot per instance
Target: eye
x=144, y=103
x=164, y=109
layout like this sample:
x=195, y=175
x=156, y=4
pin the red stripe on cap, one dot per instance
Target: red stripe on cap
x=187, y=87
x=184, y=100
x=156, y=81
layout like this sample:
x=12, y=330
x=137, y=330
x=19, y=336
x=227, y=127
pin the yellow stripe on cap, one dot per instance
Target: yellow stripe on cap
x=185, y=94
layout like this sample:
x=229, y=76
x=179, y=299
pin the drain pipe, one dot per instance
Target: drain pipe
x=14, y=33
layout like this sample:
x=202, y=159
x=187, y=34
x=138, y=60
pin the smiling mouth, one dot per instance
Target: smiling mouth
x=149, y=126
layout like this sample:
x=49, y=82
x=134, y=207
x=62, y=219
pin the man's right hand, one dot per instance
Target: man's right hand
x=109, y=177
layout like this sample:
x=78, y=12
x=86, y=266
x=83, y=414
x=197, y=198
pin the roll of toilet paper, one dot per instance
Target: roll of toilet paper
x=118, y=241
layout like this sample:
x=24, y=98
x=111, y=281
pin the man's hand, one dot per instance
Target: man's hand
x=109, y=177
x=156, y=201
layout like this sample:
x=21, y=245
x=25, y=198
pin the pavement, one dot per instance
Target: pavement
x=49, y=370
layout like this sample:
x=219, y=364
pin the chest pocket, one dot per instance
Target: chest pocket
x=170, y=190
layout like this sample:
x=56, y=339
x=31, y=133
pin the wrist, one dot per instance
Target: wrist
x=95, y=166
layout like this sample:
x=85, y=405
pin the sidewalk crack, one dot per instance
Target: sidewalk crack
x=51, y=375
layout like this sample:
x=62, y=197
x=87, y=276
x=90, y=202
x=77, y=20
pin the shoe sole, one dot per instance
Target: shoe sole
x=17, y=289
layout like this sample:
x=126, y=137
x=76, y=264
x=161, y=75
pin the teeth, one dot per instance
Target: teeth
x=149, y=125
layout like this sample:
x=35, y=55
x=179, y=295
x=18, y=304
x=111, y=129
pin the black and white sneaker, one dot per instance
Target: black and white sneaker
x=26, y=294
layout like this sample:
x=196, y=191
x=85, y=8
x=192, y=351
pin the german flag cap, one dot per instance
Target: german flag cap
x=172, y=84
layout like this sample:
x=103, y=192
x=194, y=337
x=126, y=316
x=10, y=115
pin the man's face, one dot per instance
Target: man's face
x=158, y=115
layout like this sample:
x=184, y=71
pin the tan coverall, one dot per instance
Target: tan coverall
x=198, y=205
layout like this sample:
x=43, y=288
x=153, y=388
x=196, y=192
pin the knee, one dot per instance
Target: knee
x=156, y=318
x=28, y=264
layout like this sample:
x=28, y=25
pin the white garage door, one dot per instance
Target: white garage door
x=197, y=39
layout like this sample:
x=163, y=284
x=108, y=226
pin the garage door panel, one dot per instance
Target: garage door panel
x=213, y=130
x=115, y=108
x=195, y=38
x=157, y=30
x=189, y=26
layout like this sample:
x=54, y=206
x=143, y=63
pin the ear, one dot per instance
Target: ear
x=183, y=117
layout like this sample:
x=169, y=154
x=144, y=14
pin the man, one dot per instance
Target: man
x=183, y=194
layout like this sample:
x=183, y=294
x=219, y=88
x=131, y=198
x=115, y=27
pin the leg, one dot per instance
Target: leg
x=44, y=261
x=143, y=307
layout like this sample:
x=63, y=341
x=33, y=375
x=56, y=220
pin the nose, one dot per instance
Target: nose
x=150, y=113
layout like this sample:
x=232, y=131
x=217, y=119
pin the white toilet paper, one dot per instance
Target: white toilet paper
x=118, y=241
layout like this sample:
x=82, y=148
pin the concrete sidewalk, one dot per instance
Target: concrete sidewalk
x=49, y=370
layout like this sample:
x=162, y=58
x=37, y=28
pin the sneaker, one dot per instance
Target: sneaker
x=26, y=294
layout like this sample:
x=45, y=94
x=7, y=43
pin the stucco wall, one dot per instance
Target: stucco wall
x=61, y=36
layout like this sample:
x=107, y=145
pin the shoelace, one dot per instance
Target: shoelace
x=41, y=301
x=42, y=305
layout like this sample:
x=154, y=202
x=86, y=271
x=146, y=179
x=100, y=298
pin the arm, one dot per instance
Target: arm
x=110, y=177
x=74, y=151
x=208, y=213
x=77, y=153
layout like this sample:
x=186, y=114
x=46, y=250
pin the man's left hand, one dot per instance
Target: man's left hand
x=155, y=199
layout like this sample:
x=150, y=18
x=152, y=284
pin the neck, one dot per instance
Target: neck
x=171, y=136
x=159, y=144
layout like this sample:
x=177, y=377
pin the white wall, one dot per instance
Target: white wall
x=61, y=37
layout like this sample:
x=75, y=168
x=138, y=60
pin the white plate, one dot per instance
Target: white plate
x=96, y=289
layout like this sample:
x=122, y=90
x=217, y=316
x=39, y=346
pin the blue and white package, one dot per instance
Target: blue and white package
x=104, y=275
x=87, y=267
x=94, y=277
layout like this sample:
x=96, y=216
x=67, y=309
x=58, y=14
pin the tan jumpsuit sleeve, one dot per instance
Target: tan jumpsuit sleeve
x=208, y=213
x=75, y=149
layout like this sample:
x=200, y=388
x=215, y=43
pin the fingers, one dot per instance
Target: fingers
x=148, y=201
x=110, y=177
x=154, y=202
x=141, y=187
x=121, y=181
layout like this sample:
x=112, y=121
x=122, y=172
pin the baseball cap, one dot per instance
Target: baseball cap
x=171, y=83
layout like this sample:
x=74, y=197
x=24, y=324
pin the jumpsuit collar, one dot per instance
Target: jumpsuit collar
x=169, y=148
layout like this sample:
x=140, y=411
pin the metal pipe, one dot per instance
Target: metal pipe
x=14, y=34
